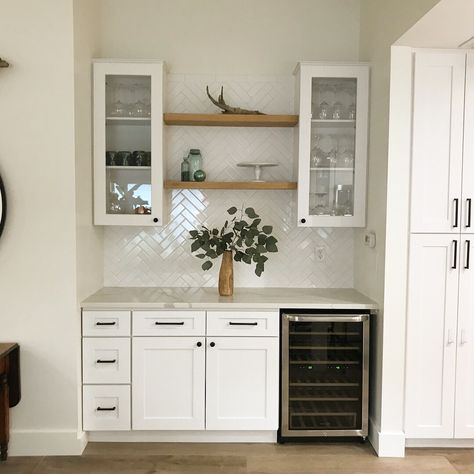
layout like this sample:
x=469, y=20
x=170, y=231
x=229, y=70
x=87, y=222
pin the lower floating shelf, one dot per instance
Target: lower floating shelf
x=278, y=185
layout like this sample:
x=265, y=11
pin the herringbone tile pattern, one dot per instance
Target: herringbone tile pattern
x=161, y=256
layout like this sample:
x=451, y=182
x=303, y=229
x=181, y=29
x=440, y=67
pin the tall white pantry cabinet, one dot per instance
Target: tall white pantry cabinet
x=440, y=323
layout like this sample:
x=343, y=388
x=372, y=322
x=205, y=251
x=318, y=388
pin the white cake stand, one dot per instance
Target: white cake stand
x=258, y=168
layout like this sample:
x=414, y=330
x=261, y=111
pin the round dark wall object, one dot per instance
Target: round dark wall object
x=3, y=206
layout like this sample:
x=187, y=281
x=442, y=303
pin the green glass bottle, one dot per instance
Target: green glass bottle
x=195, y=162
x=185, y=174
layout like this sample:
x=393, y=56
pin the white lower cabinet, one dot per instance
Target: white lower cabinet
x=440, y=348
x=168, y=383
x=242, y=383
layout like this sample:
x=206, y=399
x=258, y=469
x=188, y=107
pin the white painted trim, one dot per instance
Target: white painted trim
x=184, y=436
x=47, y=443
x=386, y=445
x=439, y=443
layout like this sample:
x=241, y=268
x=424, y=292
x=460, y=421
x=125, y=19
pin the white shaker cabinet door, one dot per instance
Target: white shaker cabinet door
x=431, y=335
x=168, y=383
x=464, y=418
x=468, y=158
x=242, y=383
x=438, y=114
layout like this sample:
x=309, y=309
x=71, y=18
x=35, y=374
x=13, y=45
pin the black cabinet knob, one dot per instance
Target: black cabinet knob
x=199, y=344
x=212, y=344
x=303, y=220
x=155, y=219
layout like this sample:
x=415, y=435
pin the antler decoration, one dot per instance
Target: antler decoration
x=227, y=109
x=3, y=63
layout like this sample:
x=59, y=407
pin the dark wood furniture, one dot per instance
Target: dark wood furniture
x=10, y=392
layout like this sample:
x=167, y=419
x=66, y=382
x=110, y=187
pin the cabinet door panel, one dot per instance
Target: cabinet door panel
x=168, y=383
x=438, y=110
x=431, y=336
x=468, y=157
x=464, y=420
x=242, y=383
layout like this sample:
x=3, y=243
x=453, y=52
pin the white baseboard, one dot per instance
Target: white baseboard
x=184, y=436
x=386, y=445
x=439, y=443
x=46, y=443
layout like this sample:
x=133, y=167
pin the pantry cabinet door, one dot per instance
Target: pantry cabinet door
x=168, y=383
x=464, y=419
x=438, y=116
x=468, y=158
x=431, y=336
x=242, y=383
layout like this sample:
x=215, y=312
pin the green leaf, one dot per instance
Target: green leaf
x=250, y=251
x=251, y=213
x=271, y=247
x=262, y=239
x=255, y=222
x=246, y=258
x=232, y=210
x=271, y=240
x=267, y=229
x=262, y=259
x=193, y=233
x=195, y=245
x=211, y=253
x=261, y=249
x=200, y=255
x=249, y=242
x=238, y=256
x=206, y=265
x=259, y=270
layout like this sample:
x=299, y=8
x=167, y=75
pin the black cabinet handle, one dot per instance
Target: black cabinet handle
x=231, y=323
x=106, y=409
x=456, y=212
x=303, y=221
x=212, y=344
x=454, y=265
x=199, y=344
x=155, y=219
x=98, y=323
x=106, y=361
x=468, y=202
x=468, y=254
x=169, y=323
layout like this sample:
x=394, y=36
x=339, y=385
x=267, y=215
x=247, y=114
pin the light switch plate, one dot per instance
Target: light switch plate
x=370, y=239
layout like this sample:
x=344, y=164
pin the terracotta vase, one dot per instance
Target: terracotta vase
x=226, y=274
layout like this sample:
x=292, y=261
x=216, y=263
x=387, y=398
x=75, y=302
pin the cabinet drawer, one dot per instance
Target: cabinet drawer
x=106, y=360
x=106, y=323
x=169, y=323
x=106, y=407
x=242, y=323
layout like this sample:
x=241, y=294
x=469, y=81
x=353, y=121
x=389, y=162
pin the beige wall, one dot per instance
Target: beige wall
x=382, y=23
x=231, y=36
x=37, y=250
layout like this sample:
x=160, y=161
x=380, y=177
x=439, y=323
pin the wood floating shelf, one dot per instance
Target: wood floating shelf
x=277, y=185
x=231, y=120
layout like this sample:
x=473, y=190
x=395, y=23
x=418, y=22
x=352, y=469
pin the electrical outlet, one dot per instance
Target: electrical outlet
x=320, y=254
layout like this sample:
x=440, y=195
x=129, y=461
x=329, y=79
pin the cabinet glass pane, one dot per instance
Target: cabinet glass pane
x=325, y=375
x=332, y=159
x=128, y=158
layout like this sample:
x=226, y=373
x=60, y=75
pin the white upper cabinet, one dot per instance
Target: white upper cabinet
x=437, y=156
x=332, y=144
x=128, y=143
x=468, y=159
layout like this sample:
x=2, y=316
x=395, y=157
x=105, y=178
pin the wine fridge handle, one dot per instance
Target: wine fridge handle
x=326, y=318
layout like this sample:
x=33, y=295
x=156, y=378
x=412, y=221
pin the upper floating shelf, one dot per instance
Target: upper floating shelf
x=278, y=185
x=231, y=120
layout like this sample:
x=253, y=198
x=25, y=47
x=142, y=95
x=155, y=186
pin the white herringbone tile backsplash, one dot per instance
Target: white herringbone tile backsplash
x=154, y=256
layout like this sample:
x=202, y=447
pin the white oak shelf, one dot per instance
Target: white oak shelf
x=268, y=185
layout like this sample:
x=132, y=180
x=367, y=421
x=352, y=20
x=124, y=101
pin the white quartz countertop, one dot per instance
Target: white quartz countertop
x=243, y=298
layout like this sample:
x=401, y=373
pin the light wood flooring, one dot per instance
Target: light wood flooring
x=150, y=458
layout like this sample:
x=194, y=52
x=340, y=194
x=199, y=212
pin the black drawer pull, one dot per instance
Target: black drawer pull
x=98, y=323
x=106, y=409
x=180, y=323
x=242, y=324
x=107, y=361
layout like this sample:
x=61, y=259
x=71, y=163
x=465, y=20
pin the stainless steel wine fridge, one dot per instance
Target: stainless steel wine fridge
x=324, y=375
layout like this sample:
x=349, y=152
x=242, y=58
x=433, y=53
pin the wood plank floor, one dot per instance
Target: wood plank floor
x=165, y=458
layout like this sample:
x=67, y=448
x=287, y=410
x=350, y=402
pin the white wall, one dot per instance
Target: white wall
x=37, y=250
x=382, y=23
x=230, y=36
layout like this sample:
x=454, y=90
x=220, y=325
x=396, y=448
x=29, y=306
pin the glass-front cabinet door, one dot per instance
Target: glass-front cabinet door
x=332, y=147
x=128, y=143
